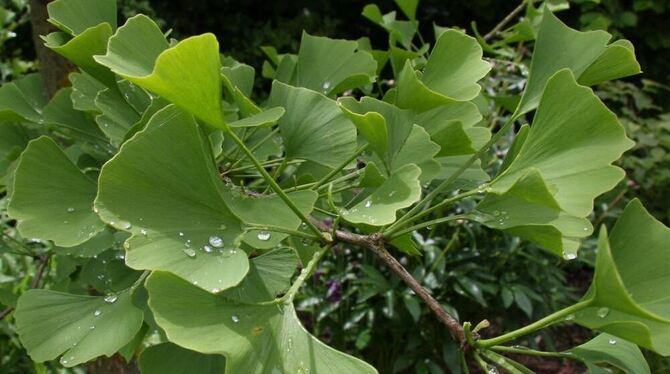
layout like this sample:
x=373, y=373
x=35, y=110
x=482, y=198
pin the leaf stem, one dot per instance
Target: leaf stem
x=537, y=325
x=426, y=224
x=529, y=352
x=453, y=177
x=268, y=178
x=304, y=273
x=256, y=146
x=334, y=172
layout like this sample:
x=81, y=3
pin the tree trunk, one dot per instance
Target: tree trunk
x=53, y=67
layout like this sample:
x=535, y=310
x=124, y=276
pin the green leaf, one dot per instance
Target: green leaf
x=408, y=7
x=266, y=118
x=608, y=349
x=101, y=242
x=78, y=327
x=399, y=191
x=254, y=338
x=117, y=115
x=451, y=74
x=168, y=358
x=331, y=66
x=586, y=54
x=76, y=16
x=85, y=88
x=628, y=297
x=562, y=145
x=172, y=203
x=187, y=74
x=81, y=49
x=13, y=139
x=313, y=128
x=22, y=99
x=399, y=31
x=52, y=198
x=61, y=113
x=528, y=210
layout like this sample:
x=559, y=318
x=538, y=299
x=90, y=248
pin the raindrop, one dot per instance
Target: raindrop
x=496, y=213
x=110, y=298
x=143, y=232
x=368, y=204
x=612, y=341
x=215, y=241
x=92, y=327
x=326, y=86
x=190, y=252
x=290, y=345
x=222, y=227
x=63, y=360
x=195, y=283
x=603, y=312
x=391, y=193
x=181, y=233
x=207, y=248
x=569, y=256
x=263, y=235
x=215, y=290
x=97, y=313
x=70, y=210
x=235, y=318
x=586, y=229
x=569, y=317
x=492, y=370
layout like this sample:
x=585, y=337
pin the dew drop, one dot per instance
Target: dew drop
x=190, y=252
x=496, y=213
x=143, y=232
x=326, y=86
x=264, y=235
x=492, y=370
x=235, y=318
x=222, y=227
x=569, y=256
x=70, y=210
x=603, y=312
x=368, y=204
x=97, y=313
x=195, y=283
x=391, y=193
x=569, y=317
x=110, y=298
x=181, y=233
x=207, y=248
x=612, y=341
x=63, y=360
x=215, y=241
x=91, y=327
x=215, y=290
x=586, y=229
x=290, y=345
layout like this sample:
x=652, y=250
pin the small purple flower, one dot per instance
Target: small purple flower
x=334, y=293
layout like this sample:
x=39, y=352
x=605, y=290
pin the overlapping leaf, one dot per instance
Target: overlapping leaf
x=254, y=338
x=313, y=127
x=22, y=99
x=79, y=328
x=586, y=54
x=175, y=206
x=610, y=350
x=52, y=198
x=451, y=74
x=168, y=358
x=332, y=66
x=628, y=297
x=187, y=74
x=571, y=146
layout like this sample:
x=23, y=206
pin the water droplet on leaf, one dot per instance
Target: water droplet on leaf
x=97, y=313
x=215, y=241
x=190, y=252
x=612, y=341
x=603, y=312
x=368, y=204
x=235, y=318
x=70, y=210
x=110, y=298
x=264, y=235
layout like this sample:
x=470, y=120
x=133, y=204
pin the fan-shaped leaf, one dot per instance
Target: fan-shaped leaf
x=607, y=349
x=61, y=113
x=331, y=66
x=628, y=297
x=400, y=190
x=77, y=327
x=76, y=16
x=52, y=198
x=313, y=128
x=187, y=74
x=22, y=99
x=254, y=338
x=168, y=358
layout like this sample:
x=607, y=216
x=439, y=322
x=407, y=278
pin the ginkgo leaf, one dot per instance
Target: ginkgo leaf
x=169, y=358
x=331, y=66
x=313, y=128
x=85, y=89
x=529, y=210
x=408, y=7
x=586, y=54
x=81, y=49
x=76, y=16
x=265, y=118
x=187, y=74
x=13, y=139
x=78, y=327
x=61, y=113
x=399, y=31
x=628, y=296
x=254, y=338
x=22, y=99
x=572, y=143
x=116, y=116
x=400, y=190
x=177, y=208
x=610, y=350
x=451, y=74
x=52, y=198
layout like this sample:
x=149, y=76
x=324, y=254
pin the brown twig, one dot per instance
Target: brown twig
x=505, y=21
x=375, y=243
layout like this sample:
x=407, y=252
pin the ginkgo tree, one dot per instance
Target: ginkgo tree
x=201, y=211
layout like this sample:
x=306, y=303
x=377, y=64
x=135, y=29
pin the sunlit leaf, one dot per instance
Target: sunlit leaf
x=608, y=349
x=22, y=99
x=76, y=16
x=628, y=296
x=168, y=358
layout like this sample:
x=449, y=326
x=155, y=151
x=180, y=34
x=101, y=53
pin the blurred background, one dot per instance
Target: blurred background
x=352, y=303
